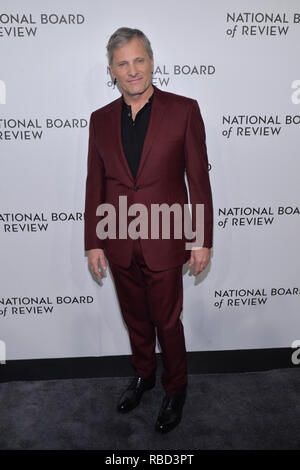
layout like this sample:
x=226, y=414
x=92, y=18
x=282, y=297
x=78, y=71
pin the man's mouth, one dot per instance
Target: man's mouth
x=134, y=80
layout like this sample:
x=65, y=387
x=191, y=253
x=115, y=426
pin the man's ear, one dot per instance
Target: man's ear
x=111, y=72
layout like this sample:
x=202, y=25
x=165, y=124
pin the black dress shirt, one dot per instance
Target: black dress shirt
x=134, y=132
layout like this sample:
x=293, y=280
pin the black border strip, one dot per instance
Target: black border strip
x=199, y=362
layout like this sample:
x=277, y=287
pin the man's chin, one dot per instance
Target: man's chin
x=135, y=93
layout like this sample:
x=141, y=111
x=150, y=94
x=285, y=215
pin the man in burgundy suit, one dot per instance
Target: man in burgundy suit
x=140, y=147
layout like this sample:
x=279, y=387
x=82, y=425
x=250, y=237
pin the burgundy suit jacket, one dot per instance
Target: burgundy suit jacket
x=174, y=144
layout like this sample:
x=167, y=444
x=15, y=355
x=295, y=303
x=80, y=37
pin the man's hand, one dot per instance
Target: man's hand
x=199, y=258
x=96, y=257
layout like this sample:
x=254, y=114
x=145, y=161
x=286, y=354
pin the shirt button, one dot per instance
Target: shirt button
x=136, y=188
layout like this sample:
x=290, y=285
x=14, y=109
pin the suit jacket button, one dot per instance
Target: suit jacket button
x=136, y=188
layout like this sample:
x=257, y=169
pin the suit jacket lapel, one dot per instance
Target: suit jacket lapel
x=157, y=111
x=117, y=136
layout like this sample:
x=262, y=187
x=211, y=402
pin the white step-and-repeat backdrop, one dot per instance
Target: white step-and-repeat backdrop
x=240, y=60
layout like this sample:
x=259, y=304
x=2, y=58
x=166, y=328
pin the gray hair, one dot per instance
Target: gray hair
x=123, y=35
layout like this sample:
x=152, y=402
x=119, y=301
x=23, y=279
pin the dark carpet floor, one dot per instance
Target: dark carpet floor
x=255, y=410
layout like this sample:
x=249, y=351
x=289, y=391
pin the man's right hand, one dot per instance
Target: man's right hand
x=96, y=257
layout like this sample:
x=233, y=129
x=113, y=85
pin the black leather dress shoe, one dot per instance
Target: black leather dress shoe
x=131, y=397
x=170, y=412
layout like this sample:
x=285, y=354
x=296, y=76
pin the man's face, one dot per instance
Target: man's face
x=132, y=67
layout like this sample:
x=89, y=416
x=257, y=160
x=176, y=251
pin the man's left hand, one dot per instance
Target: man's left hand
x=199, y=258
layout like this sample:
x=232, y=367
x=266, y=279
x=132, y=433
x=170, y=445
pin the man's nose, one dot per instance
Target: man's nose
x=132, y=70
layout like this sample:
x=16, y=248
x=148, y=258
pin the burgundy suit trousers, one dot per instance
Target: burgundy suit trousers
x=152, y=301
